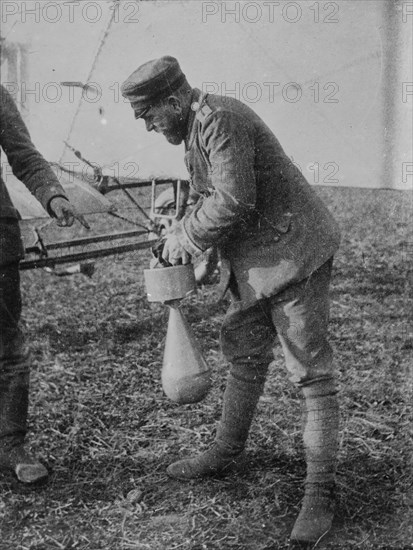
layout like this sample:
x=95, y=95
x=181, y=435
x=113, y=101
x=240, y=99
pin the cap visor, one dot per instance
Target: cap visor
x=140, y=112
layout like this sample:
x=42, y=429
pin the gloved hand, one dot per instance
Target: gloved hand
x=66, y=213
x=173, y=252
x=157, y=260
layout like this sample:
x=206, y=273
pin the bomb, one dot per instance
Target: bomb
x=186, y=377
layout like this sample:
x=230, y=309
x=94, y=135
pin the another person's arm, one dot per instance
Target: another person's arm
x=30, y=167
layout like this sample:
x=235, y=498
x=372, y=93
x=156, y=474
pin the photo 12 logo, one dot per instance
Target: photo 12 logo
x=407, y=171
x=269, y=12
x=407, y=12
x=324, y=174
x=69, y=11
x=407, y=92
x=291, y=92
x=68, y=91
x=92, y=172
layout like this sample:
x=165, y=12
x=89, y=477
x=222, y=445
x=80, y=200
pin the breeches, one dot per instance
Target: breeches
x=298, y=316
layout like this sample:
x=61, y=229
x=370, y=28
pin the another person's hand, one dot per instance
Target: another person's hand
x=173, y=252
x=66, y=213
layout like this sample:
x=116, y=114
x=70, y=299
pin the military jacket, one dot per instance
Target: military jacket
x=271, y=227
x=29, y=166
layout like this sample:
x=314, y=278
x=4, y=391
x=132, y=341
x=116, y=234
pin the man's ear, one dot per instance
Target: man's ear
x=175, y=104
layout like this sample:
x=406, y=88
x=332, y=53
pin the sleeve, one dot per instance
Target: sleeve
x=228, y=140
x=27, y=163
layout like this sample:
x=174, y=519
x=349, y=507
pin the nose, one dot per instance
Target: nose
x=149, y=126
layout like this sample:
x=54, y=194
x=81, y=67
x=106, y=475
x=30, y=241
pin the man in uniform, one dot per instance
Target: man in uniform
x=276, y=240
x=30, y=167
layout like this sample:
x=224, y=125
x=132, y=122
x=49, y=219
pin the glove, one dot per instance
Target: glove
x=173, y=252
x=157, y=260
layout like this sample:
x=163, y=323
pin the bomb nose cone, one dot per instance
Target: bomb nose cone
x=186, y=377
x=188, y=389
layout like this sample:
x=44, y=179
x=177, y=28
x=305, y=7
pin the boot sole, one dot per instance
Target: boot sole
x=307, y=545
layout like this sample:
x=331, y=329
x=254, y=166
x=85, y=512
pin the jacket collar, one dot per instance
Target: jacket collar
x=196, y=101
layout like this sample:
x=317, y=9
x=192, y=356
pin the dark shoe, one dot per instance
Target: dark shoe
x=213, y=461
x=316, y=516
x=27, y=468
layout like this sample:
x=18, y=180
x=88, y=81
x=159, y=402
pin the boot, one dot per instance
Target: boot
x=14, y=399
x=27, y=468
x=316, y=516
x=321, y=445
x=240, y=401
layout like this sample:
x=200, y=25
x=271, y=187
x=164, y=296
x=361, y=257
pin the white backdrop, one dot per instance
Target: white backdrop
x=330, y=78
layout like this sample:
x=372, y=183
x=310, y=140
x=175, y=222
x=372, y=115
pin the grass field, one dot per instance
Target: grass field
x=101, y=423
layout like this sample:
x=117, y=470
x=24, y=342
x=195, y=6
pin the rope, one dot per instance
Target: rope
x=89, y=76
x=130, y=197
x=137, y=224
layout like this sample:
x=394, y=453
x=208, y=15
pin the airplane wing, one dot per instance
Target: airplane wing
x=83, y=196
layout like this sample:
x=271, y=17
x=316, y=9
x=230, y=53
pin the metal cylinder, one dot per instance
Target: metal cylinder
x=169, y=283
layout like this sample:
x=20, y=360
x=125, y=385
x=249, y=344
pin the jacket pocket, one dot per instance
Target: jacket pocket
x=273, y=230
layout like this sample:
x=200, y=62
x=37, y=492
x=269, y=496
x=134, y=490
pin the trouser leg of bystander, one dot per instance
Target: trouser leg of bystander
x=14, y=382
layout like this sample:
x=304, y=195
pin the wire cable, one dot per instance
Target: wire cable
x=89, y=76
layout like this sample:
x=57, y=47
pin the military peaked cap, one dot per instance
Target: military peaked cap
x=151, y=82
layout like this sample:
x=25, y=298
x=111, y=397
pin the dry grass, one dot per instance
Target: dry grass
x=101, y=423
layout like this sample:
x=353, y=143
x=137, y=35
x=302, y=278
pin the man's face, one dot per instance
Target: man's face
x=165, y=119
